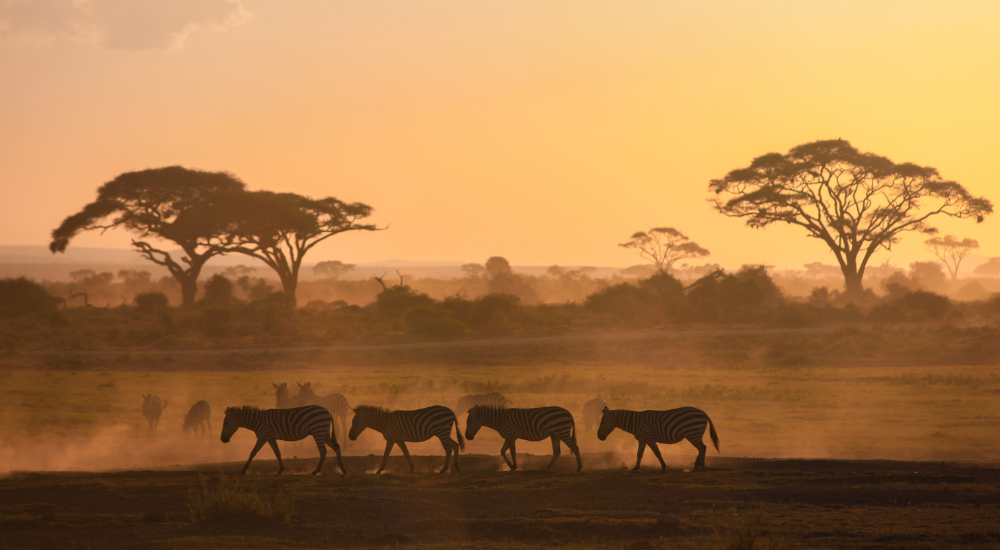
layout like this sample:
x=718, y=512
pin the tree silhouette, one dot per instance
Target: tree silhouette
x=332, y=269
x=279, y=228
x=856, y=203
x=663, y=246
x=951, y=251
x=991, y=268
x=174, y=204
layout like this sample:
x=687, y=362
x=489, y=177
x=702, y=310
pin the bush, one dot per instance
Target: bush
x=218, y=291
x=433, y=321
x=217, y=321
x=394, y=301
x=625, y=300
x=21, y=297
x=912, y=306
x=151, y=301
x=494, y=312
x=223, y=500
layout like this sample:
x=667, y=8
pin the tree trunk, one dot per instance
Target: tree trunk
x=189, y=288
x=853, y=286
x=289, y=284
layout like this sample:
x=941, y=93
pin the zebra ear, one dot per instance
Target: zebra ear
x=605, y=409
x=277, y=387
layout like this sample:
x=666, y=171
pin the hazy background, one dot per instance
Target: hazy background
x=545, y=132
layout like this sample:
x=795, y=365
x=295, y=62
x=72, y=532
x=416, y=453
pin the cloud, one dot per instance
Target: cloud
x=115, y=24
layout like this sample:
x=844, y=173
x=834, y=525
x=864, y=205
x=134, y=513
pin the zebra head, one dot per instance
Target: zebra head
x=474, y=423
x=230, y=424
x=280, y=394
x=359, y=423
x=607, y=424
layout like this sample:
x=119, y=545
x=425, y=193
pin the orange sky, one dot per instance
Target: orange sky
x=543, y=131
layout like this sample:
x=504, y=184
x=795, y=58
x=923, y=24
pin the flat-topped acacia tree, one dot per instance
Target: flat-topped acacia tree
x=279, y=228
x=174, y=204
x=856, y=203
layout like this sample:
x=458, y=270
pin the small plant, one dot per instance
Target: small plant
x=745, y=531
x=224, y=500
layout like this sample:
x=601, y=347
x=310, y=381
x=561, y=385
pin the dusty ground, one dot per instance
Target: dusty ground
x=806, y=504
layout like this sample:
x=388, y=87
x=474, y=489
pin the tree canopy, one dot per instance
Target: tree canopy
x=951, y=251
x=855, y=202
x=173, y=203
x=663, y=246
x=280, y=228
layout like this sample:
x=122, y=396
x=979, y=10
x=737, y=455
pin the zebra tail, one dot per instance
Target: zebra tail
x=713, y=435
x=458, y=432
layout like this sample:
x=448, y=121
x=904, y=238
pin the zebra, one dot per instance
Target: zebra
x=652, y=427
x=528, y=424
x=592, y=411
x=285, y=401
x=199, y=414
x=336, y=403
x=398, y=427
x=270, y=425
x=493, y=399
x=152, y=408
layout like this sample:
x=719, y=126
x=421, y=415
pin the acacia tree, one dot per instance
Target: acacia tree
x=174, y=204
x=663, y=246
x=279, y=228
x=951, y=251
x=332, y=269
x=856, y=203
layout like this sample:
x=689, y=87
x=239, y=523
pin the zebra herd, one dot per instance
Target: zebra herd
x=492, y=410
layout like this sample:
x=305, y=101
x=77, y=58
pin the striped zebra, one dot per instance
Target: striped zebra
x=336, y=403
x=493, y=399
x=592, y=411
x=152, y=408
x=285, y=401
x=400, y=426
x=287, y=425
x=652, y=427
x=528, y=424
x=198, y=415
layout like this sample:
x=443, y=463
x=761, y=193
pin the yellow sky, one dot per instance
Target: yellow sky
x=543, y=131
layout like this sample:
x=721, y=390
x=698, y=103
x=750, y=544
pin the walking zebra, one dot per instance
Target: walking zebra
x=400, y=426
x=336, y=403
x=652, y=427
x=152, y=408
x=198, y=415
x=285, y=401
x=528, y=424
x=287, y=425
x=493, y=399
x=592, y=411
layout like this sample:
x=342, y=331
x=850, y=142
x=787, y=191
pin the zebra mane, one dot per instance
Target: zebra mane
x=244, y=408
x=371, y=409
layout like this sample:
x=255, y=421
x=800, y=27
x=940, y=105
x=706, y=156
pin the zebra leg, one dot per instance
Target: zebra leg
x=406, y=453
x=571, y=443
x=322, y=454
x=447, y=444
x=700, y=461
x=253, y=453
x=385, y=457
x=277, y=454
x=656, y=451
x=513, y=454
x=503, y=451
x=638, y=455
x=555, y=451
x=332, y=442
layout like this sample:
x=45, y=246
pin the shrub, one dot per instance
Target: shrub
x=151, y=301
x=224, y=500
x=433, y=321
x=21, y=297
x=494, y=312
x=625, y=300
x=217, y=321
x=218, y=291
x=934, y=305
x=394, y=301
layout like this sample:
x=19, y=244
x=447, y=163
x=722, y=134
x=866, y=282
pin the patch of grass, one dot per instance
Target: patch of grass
x=745, y=531
x=223, y=500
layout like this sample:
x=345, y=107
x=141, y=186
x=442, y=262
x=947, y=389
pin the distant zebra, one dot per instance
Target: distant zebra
x=398, y=427
x=493, y=399
x=652, y=427
x=336, y=403
x=287, y=425
x=592, y=411
x=152, y=408
x=285, y=401
x=555, y=423
x=198, y=415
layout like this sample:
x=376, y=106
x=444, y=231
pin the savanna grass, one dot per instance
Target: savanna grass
x=223, y=500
